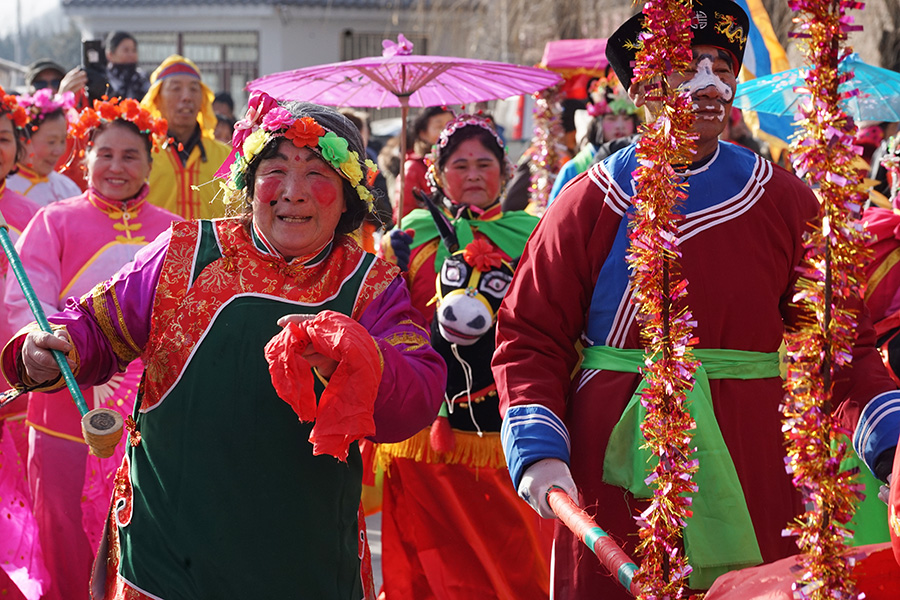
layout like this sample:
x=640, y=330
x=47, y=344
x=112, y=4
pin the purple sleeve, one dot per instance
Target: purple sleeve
x=111, y=325
x=414, y=375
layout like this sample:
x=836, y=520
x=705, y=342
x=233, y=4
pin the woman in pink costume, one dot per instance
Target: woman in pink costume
x=69, y=247
x=48, y=130
x=21, y=569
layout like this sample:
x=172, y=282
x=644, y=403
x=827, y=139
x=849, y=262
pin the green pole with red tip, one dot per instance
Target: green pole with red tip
x=586, y=529
x=102, y=427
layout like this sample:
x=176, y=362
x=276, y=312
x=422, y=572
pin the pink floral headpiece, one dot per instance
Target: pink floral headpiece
x=44, y=102
x=460, y=121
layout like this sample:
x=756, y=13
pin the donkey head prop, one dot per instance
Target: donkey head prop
x=470, y=286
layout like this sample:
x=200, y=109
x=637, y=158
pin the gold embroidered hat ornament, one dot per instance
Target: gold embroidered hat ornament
x=719, y=23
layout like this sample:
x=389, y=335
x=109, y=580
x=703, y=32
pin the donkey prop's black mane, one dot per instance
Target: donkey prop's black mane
x=483, y=414
x=486, y=412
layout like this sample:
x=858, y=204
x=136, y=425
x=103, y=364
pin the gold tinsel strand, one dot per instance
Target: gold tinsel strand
x=660, y=295
x=828, y=292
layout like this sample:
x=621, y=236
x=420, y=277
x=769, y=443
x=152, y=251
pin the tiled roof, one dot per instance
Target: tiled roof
x=310, y=3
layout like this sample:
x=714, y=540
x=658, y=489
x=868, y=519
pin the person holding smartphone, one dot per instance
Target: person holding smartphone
x=125, y=78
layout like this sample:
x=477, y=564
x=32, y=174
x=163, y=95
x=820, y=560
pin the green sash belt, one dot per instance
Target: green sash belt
x=719, y=536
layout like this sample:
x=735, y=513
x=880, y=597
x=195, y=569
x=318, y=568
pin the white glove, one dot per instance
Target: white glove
x=539, y=478
x=38, y=359
x=884, y=492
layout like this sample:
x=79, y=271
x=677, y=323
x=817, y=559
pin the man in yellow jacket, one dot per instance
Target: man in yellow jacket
x=181, y=179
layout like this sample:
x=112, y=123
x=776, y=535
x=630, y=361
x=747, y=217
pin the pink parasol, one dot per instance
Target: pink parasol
x=398, y=78
x=571, y=57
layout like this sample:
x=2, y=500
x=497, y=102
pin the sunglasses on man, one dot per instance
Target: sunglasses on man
x=41, y=84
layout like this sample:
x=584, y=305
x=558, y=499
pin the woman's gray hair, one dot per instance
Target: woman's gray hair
x=331, y=120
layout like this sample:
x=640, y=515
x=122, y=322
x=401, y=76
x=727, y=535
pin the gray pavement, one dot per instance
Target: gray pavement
x=373, y=530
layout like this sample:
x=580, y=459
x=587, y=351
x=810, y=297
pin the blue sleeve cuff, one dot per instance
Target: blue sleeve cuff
x=878, y=427
x=530, y=433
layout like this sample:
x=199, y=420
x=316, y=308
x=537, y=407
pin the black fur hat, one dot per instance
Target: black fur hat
x=720, y=23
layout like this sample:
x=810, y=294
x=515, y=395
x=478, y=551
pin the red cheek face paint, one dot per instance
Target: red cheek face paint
x=324, y=193
x=266, y=190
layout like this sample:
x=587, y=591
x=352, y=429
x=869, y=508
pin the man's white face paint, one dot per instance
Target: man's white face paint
x=704, y=78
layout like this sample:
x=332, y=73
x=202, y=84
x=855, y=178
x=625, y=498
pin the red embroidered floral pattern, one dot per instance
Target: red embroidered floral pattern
x=182, y=311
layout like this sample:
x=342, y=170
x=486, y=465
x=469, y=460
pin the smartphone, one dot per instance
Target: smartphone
x=93, y=61
x=92, y=54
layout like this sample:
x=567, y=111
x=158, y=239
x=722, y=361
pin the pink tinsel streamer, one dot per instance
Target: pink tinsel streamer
x=660, y=292
x=830, y=283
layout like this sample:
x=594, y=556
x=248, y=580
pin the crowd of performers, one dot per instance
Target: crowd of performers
x=268, y=366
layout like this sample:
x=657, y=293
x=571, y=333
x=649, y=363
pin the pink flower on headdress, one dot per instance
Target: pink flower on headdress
x=402, y=47
x=44, y=101
x=277, y=118
x=597, y=108
x=258, y=106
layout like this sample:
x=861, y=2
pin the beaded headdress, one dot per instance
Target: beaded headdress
x=125, y=109
x=44, y=102
x=459, y=122
x=266, y=120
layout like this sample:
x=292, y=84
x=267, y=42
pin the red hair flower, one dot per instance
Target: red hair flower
x=305, y=132
x=482, y=255
x=108, y=110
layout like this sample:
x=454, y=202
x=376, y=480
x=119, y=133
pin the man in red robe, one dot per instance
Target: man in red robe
x=742, y=241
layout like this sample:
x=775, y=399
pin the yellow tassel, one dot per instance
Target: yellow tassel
x=471, y=451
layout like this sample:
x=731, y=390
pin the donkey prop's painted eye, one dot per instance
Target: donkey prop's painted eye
x=453, y=273
x=495, y=284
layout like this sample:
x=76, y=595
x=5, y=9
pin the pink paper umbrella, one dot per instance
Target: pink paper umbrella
x=400, y=78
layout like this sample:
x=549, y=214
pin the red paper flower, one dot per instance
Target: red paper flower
x=305, y=132
x=482, y=255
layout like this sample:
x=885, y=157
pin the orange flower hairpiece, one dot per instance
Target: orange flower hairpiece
x=10, y=107
x=482, y=255
x=125, y=109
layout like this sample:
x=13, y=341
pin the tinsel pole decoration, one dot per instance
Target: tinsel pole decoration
x=660, y=291
x=828, y=291
x=547, y=148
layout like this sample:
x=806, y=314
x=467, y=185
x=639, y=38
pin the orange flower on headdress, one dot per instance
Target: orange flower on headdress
x=10, y=105
x=19, y=117
x=482, y=255
x=131, y=110
x=305, y=132
x=107, y=110
x=127, y=110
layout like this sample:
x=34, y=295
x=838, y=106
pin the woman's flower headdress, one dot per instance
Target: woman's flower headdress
x=44, y=102
x=126, y=109
x=266, y=120
x=458, y=122
x=9, y=106
x=610, y=98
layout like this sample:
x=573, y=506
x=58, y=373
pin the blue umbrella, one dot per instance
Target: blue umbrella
x=878, y=98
